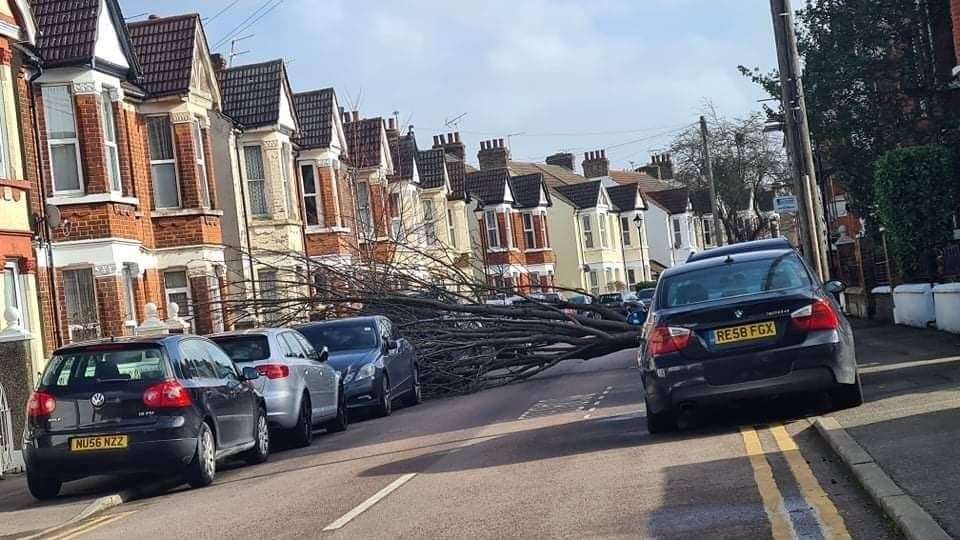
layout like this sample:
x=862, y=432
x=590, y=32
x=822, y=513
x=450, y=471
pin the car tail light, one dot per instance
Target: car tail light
x=167, y=395
x=40, y=404
x=273, y=371
x=817, y=316
x=668, y=339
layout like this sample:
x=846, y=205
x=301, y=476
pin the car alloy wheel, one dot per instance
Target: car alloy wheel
x=263, y=435
x=208, y=453
x=386, y=401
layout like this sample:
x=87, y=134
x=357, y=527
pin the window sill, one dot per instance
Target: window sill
x=315, y=229
x=538, y=250
x=93, y=198
x=177, y=212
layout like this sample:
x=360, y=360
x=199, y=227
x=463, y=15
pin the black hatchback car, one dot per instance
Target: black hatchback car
x=749, y=324
x=166, y=404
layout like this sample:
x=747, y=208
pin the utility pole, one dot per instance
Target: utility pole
x=708, y=166
x=797, y=131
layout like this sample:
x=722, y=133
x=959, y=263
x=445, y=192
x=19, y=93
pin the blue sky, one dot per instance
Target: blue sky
x=569, y=75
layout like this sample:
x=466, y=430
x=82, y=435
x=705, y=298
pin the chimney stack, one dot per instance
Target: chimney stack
x=451, y=145
x=219, y=63
x=562, y=159
x=493, y=154
x=596, y=164
x=355, y=115
x=391, y=124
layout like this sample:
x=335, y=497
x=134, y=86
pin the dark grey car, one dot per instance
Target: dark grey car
x=377, y=364
x=751, y=324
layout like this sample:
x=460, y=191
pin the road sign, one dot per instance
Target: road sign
x=786, y=204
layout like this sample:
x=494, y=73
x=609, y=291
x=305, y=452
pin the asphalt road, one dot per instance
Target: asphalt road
x=564, y=455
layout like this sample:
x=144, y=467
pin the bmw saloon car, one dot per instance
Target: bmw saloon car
x=750, y=323
x=170, y=404
x=377, y=364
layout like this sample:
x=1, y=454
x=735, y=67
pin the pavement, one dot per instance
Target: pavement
x=910, y=421
x=565, y=454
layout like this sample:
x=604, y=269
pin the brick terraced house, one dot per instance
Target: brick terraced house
x=182, y=95
x=93, y=167
x=18, y=197
x=511, y=222
x=370, y=164
x=327, y=194
x=258, y=98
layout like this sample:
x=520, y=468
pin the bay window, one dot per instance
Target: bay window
x=429, y=221
x=110, y=141
x=451, y=230
x=529, y=237
x=545, y=236
x=587, y=227
x=363, y=207
x=201, y=163
x=602, y=226
x=62, y=139
x=129, y=296
x=625, y=230
x=177, y=289
x=396, y=222
x=285, y=154
x=163, y=163
x=677, y=235
x=12, y=293
x=80, y=302
x=708, y=232
x=493, y=234
x=312, y=201
x=256, y=181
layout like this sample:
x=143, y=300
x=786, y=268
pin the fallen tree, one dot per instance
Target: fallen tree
x=465, y=340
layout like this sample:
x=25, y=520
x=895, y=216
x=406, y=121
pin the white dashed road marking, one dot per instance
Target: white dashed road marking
x=365, y=505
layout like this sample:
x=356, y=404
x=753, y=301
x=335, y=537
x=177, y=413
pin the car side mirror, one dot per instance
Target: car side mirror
x=249, y=374
x=834, y=287
x=322, y=355
x=391, y=344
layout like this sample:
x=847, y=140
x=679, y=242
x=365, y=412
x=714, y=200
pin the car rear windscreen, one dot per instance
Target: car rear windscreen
x=107, y=364
x=341, y=336
x=610, y=298
x=244, y=348
x=734, y=279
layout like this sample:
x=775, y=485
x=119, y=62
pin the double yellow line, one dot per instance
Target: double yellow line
x=88, y=525
x=828, y=518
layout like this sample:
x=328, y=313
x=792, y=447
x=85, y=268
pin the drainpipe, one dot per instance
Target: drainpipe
x=580, y=270
x=46, y=233
x=623, y=249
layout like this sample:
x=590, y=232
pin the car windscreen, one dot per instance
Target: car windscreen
x=244, y=348
x=341, y=336
x=610, y=298
x=552, y=297
x=645, y=294
x=734, y=279
x=105, y=364
x=578, y=300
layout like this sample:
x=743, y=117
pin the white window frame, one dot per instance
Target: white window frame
x=602, y=229
x=316, y=195
x=396, y=215
x=631, y=276
x=492, y=225
x=707, y=226
x=5, y=167
x=608, y=279
x=586, y=227
x=171, y=161
x=625, y=235
x=96, y=307
x=196, y=133
x=108, y=124
x=18, y=296
x=429, y=221
x=529, y=234
x=262, y=180
x=286, y=155
x=365, y=213
x=593, y=279
x=129, y=296
x=544, y=236
x=451, y=230
x=534, y=278
x=507, y=218
x=75, y=141
x=677, y=230
x=186, y=312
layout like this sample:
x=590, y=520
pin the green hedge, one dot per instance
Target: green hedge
x=916, y=194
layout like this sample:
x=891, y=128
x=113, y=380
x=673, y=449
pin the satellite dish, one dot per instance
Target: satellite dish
x=53, y=216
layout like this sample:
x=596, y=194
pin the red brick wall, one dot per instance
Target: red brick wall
x=27, y=135
x=330, y=243
x=152, y=292
x=186, y=165
x=47, y=313
x=540, y=257
x=378, y=207
x=203, y=316
x=172, y=231
x=110, y=305
x=325, y=179
x=208, y=165
x=140, y=168
x=92, y=158
x=123, y=148
x=100, y=220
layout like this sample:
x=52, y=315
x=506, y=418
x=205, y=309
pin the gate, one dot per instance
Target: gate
x=6, y=436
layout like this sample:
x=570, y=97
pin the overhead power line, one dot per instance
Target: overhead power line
x=252, y=19
x=222, y=11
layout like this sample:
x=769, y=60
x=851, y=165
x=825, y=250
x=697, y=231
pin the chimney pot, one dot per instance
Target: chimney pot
x=436, y=140
x=456, y=136
x=499, y=143
x=483, y=145
x=603, y=154
x=355, y=115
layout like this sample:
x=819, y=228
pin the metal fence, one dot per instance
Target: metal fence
x=6, y=435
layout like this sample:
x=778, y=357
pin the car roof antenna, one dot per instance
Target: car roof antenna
x=728, y=260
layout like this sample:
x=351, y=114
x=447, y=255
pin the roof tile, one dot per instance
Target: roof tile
x=251, y=93
x=165, y=48
x=315, y=111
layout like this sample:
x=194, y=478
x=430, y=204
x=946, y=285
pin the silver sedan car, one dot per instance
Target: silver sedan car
x=301, y=389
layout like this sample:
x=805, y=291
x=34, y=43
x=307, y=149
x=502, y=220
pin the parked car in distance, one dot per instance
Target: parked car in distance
x=644, y=297
x=377, y=364
x=579, y=300
x=300, y=388
x=615, y=301
x=166, y=404
x=741, y=247
x=751, y=324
